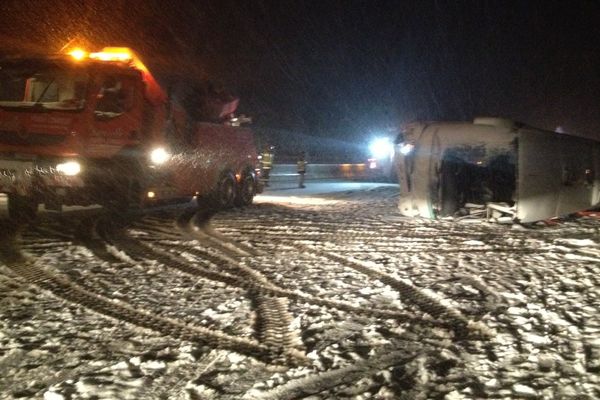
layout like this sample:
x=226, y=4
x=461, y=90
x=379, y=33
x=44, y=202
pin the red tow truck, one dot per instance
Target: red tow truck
x=96, y=128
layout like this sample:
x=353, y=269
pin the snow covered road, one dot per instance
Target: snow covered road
x=317, y=293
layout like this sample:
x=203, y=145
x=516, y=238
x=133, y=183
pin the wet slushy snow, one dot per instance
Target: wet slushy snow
x=368, y=304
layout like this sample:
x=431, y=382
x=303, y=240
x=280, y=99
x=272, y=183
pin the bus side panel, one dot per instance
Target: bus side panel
x=555, y=175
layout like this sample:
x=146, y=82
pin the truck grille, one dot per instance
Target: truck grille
x=30, y=139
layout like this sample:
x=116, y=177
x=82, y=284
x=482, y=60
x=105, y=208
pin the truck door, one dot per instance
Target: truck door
x=117, y=114
x=556, y=174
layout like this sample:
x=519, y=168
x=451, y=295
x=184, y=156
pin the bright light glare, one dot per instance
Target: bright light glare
x=381, y=148
x=159, y=156
x=113, y=54
x=69, y=168
x=406, y=148
x=78, y=54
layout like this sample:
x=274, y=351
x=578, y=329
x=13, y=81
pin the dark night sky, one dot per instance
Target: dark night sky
x=349, y=68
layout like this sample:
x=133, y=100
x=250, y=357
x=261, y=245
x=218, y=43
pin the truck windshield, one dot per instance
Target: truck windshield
x=42, y=89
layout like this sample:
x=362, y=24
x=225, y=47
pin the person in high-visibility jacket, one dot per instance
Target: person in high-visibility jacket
x=301, y=168
x=266, y=163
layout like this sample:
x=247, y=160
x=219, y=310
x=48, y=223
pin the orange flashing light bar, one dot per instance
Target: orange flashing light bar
x=110, y=54
x=119, y=54
x=125, y=55
x=113, y=54
x=122, y=54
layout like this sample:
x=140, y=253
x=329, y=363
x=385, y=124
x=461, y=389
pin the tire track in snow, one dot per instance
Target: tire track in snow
x=236, y=277
x=319, y=382
x=169, y=254
x=349, y=230
x=246, y=271
x=409, y=293
x=408, y=245
x=247, y=278
x=448, y=316
x=59, y=285
x=72, y=292
x=273, y=319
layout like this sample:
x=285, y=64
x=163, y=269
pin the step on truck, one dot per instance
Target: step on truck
x=96, y=128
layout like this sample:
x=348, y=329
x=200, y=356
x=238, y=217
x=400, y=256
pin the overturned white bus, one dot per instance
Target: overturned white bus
x=496, y=169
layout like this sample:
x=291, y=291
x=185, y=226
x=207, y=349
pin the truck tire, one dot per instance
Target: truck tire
x=246, y=191
x=224, y=194
x=22, y=208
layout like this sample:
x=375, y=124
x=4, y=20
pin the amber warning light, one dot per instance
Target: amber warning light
x=78, y=54
x=122, y=54
x=113, y=54
x=110, y=54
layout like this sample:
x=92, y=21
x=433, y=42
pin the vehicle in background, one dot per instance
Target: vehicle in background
x=496, y=169
x=380, y=164
x=96, y=128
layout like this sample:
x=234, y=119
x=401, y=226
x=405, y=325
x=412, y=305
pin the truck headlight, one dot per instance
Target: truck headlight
x=69, y=168
x=159, y=156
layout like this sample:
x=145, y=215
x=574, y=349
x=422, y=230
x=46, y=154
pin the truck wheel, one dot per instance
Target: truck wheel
x=246, y=191
x=21, y=208
x=224, y=194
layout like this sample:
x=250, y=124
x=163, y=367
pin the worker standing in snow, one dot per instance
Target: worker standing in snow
x=301, y=168
x=266, y=163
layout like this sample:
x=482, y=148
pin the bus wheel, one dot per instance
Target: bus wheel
x=225, y=192
x=21, y=208
x=246, y=192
